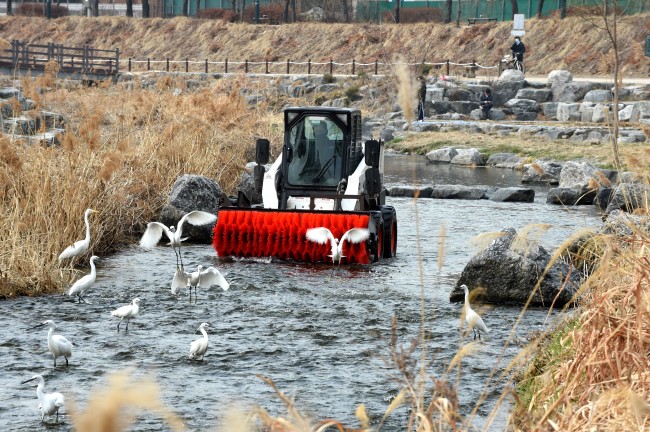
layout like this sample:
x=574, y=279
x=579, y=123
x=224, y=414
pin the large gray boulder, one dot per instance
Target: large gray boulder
x=522, y=105
x=568, y=112
x=628, y=197
x=504, y=160
x=538, y=95
x=462, y=192
x=193, y=192
x=578, y=174
x=471, y=157
x=509, y=270
x=570, y=92
x=560, y=76
x=513, y=194
x=442, y=155
x=598, y=96
x=504, y=90
x=640, y=112
x=542, y=172
x=570, y=196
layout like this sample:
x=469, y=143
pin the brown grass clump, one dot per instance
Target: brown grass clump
x=112, y=409
x=596, y=370
x=122, y=152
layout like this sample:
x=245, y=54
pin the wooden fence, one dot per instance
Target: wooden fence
x=294, y=67
x=84, y=60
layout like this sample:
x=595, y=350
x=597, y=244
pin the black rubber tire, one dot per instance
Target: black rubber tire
x=389, y=215
x=376, y=242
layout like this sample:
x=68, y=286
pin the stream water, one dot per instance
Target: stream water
x=322, y=337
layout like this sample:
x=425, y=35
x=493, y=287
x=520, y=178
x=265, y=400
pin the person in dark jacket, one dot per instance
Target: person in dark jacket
x=422, y=96
x=518, y=49
x=486, y=103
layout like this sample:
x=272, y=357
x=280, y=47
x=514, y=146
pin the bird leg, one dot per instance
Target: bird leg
x=66, y=361
x=118, y=325
x=54, y=361
x=127, y=325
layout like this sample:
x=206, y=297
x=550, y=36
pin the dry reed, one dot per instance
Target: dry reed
x=122, y=151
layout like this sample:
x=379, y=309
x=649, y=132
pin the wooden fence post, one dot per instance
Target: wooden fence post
x=117, y=60
x=309, y=67
x=206, y=65
x=331, y=67
x=246, y=66
x=129, y=64
x=353, y=66
x=148, y=64
x=187, y=65
x=267, y=66
x=287, y=66
x=167, y=66
x=447, y=67
x=376, y=67
x=226, y=66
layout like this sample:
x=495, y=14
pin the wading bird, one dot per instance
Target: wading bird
x=49, y=403
x=80, y=246
x=201, y=277
x=155, y=230
x=58, y=345
x=81, y=286
x=127, y=312
x=199, y=346
x=322, y=235
x=473, y=320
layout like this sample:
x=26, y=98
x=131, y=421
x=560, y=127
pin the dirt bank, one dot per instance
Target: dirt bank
x=573, y=44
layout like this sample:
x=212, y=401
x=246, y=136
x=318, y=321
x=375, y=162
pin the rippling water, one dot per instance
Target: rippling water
x=322, y=337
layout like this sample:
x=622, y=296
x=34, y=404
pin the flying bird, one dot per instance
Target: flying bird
x=80, y=246
x=49, y=403
x=127, y=312
x=155, y=230
x=473, y=320
x=58, y=345
x=199, y=346
x=201, y=277
x=81, y=286
x=323, y=235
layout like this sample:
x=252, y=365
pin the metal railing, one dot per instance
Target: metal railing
x=290, y=67
x=84, y=60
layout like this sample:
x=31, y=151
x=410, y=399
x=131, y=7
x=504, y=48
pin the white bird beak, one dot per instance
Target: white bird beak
x=31, y=379
x=36, y=326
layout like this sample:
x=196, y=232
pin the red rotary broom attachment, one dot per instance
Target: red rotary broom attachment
x=282, y=234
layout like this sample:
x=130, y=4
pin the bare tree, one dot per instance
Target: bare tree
x=145, y=9
x=447, y=18
x=397, y=11
x=346, y=11
x=129, y=8
x=96, y=8
x=515, y=7
x=540, y=6
x=9, y=12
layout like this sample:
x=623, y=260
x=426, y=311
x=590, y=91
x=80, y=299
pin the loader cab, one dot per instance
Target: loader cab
x=322, y=146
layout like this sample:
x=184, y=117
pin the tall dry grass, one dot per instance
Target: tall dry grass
x=123, y=149
x=593, y=372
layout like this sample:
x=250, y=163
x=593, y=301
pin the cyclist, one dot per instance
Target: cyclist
x=518, y=49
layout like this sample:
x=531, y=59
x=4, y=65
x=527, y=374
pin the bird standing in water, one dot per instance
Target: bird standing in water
x=199, y=346
x=81, y=286
x=473, y=320
x=58, y=345
x=80, y=246
x=127, y=312
x=49, y=403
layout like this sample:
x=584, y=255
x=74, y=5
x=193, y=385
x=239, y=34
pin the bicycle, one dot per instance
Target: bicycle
x=512, y=62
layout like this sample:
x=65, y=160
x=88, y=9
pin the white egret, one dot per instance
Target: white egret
x=81, y=286
x=58, y=345
x=322, y=235
x=49, y=403
x=127, y=312
x=201, y=277
x=80, y=246
x=155, y=230
x=199, y=346
x=473, y=320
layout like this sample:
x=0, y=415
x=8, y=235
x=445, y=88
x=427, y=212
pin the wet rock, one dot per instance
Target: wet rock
x=504, y=160
x=442, y=155
x=461, y=192
x=513, y=194
x=509, y=270
x=470, y=157
x=628, y=197
x=410, y=192
x=542, y=172
x=570, y=196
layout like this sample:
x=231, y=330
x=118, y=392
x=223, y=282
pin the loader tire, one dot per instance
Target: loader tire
x=389, y=216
